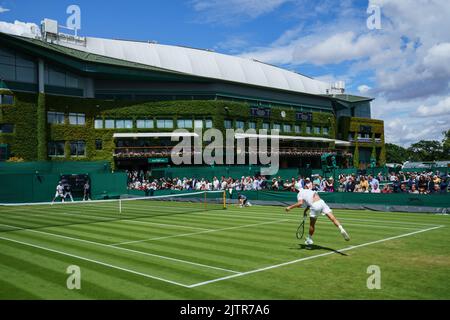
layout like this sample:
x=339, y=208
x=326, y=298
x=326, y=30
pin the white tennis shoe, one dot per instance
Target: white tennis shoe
x=309, y=241
x=345, y=235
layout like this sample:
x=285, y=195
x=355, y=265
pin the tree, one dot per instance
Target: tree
x=446, y=146
x=426, y=150
x=396, y=154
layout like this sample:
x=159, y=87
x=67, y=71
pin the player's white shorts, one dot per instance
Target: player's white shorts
x=319, y=207
x=57, y=194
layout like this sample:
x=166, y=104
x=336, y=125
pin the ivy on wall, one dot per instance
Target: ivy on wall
x=29, y=114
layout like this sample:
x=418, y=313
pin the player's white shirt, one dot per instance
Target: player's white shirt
x=307, y=196
x=59, y=189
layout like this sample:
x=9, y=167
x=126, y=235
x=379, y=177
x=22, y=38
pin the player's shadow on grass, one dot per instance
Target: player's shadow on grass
x=316, y=247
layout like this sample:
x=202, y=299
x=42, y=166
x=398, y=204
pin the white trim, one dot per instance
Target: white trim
x=155, y=135
x=281, y=137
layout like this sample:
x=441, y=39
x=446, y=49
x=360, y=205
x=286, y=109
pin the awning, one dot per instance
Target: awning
x=154, y=134
x=279, y=137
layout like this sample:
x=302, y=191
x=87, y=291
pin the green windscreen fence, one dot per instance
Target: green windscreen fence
x=36, y=181
x=58, y=167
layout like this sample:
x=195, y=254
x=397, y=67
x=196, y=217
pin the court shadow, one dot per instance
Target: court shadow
x=316, y=247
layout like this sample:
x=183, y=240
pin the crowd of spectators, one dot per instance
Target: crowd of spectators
x=402, y=182
x=423, y=183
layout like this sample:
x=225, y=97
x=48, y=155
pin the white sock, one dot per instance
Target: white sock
x=341, y=228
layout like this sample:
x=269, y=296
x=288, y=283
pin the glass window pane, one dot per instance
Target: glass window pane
x=73, y=118
x=6, y=128
x=266, y=126
x=198, y=124
x=208, y=123
x=297, y=129
x=24, y=74
x=317, y=130
x=81, y=119
x=228, y=124
x=98, y=124
x=128, y=124
x=240, y=124
x=252, y=125
x=7, y=72
x=276, y=126
x=109, y=124
x=140, y=124
x=325, y=131
x=60, y=148
x=308, y=130
x=120, y=124
x=98, y=144
x=287, y=128
x=160, y=123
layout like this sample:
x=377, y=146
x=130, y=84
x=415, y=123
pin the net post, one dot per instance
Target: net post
x=224, y=196
x=120, y=205
x=206, y=208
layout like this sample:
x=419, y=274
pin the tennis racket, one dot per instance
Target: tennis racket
x=301, y=228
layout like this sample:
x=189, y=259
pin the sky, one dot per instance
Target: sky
x=404, y=63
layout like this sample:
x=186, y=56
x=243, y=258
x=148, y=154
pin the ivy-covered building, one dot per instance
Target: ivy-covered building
x=73, y=98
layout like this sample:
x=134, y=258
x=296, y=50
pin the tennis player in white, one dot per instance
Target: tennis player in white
x=59, y=192
x=317, y=206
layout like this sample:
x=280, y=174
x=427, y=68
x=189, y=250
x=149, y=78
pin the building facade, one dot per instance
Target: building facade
x=86, y=99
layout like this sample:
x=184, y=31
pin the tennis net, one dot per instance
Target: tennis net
x=43, y=215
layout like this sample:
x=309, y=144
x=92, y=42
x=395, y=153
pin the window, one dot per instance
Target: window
x=109, y=124
x=164, y=123
x=55, y=117
x=276, y=126
x=198, y=124
x=55, y=149
x=316, y=130
x=124, y=124
x=6, y=99
x=228, y=124
x=4, y=152
x=325, y=131
x=77, y=119
x=287, y=128
x=297, y=129
x=184, y=123
x=77, y=148
x=240, y=124
x=98, y=124
x=98, y=144
x=17, y=67
x=308, y=129
x=6, y=128
x=252, y=125
x=266, y=125
x=144, y=124
x=208, y=123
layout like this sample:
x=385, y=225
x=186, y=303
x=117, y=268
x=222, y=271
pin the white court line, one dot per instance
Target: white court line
x=311, y=257
x=96, y=262
x=200, y=232
x=120, y=248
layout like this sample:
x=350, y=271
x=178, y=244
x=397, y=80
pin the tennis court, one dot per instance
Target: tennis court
x=193, y=249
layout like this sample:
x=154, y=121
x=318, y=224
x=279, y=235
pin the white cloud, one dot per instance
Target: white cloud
x=406, y=62
x=233, y=10
x=363, y=89
x=3, y=9
x=441, y=108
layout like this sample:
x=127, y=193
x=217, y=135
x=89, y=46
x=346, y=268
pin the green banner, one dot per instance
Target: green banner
x=158, y=160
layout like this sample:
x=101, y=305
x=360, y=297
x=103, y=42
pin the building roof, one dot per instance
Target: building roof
x=183, y=60
x=202, y=63
x=350, y=98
